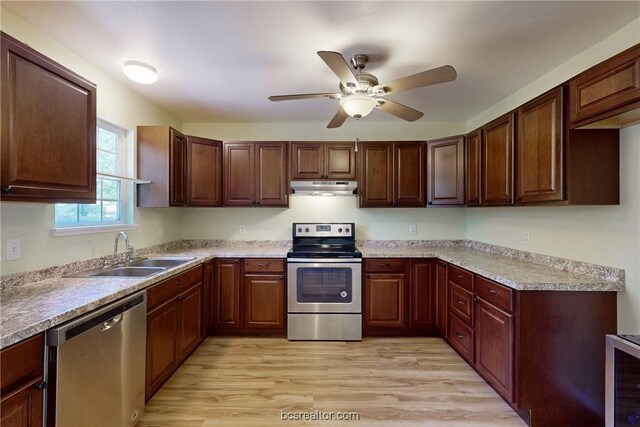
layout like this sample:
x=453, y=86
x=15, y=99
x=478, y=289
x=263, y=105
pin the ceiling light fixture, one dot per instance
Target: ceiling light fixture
x=140, y=72
x=358, y=105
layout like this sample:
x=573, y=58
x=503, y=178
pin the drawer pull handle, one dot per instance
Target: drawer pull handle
x=459, y=335
x=460, y=302
x=281, y=277
x=460, y=276
x=493, y=291
x=179, y=282
x=384, y=265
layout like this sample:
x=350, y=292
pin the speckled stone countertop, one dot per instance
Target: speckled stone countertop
x=31, y=303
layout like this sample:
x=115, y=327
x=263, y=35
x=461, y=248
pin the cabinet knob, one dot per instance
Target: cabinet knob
x=460, y=302
x=508, y=200
x=281, y=277
x=518, y=198
x=429, y=202
x=41, y=385
x=7, y=190
x=459, y=335
x=367, y=276
x=235, y=261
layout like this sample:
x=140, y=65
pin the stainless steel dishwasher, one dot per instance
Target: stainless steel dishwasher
x=96, y=366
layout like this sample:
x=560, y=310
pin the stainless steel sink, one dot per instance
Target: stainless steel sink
x=166, y=262
x=129, y=272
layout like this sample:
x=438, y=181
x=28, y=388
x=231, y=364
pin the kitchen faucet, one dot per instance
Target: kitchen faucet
x=128, y=251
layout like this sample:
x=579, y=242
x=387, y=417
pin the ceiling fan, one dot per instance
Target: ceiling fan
x=360, y=92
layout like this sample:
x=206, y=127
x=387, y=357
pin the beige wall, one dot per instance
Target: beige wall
x=32, y=222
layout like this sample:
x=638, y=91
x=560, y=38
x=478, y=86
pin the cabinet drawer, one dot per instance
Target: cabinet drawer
x=461, y=303
x=20, y=363
x=384, y=265
x=460, y=277
x=258, y=265
x=172, y=286
x=493, y=293
x=461, y=338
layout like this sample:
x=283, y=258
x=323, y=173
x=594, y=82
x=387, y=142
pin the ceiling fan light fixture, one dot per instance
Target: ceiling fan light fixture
x=358, y=105
x=140, y=72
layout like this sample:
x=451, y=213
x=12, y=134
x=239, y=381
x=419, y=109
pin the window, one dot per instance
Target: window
x=112, y=205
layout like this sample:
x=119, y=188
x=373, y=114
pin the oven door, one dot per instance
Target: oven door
x=324, y=286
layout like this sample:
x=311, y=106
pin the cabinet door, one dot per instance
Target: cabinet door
x=204, y=172
x=384, y=301
x=48, y=148
x=271, y=174
x=264, y=303
x=474, y=161
x=208, y=293
x=442, y=303
x=191, y=320
x=23, y=407
x=162, y=345
x=177, y=148
x=409, y=174
x=339, y=161
x=376, y=174
x=445, y=160
x=539, y=171
x=227, y=294
x=609, y=88
x=497, y=161
x=239, y=174
x=494, y=344
x=421, y=301
x=307, y=161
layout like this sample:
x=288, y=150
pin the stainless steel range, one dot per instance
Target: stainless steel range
x=324, y=291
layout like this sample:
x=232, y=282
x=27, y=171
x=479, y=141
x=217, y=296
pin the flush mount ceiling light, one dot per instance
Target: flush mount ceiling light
x=358, y=105
x=140, y=72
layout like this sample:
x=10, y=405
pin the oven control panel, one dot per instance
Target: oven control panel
x=346, y=229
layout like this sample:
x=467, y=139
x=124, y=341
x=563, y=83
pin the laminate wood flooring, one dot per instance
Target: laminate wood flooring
x=255, y=382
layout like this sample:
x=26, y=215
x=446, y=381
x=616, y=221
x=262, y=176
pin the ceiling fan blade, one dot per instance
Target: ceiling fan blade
x=339, y=66
x=338, y=119
x=399, y=110
x=300, y=96
x=431, y=77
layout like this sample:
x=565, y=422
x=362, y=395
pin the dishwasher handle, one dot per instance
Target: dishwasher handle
x=105, y=326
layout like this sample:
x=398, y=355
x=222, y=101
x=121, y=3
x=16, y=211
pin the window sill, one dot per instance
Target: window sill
x=93, y=229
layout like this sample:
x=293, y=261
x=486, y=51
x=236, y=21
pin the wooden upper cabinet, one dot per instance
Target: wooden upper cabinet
x=177, y=147
x=375, y=185
x=611, y=87
x=392, y=174
x=271, y=174
x=539, y=148
x=409, y=174
x=48, y=128
x=323, y=160
x=445, y=167
x=255, y=174
x=204, y=172
x=497, y=161
x=473, y=168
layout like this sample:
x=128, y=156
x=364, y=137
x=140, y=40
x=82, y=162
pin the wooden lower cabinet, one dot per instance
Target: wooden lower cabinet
x=21, y=379
x=249, y=296
x=384, y=300
x=494, y=337
x=175, y=325
x=441, y=297
x=264, y=301
x=421, y=294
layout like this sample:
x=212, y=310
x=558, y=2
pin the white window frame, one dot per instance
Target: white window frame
x=124, y=167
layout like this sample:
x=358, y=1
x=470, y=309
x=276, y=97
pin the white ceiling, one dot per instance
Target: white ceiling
x=219, y=61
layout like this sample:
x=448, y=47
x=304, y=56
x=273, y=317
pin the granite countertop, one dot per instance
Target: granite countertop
x=32, y=305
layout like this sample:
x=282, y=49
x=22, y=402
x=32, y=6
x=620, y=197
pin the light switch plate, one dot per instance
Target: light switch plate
x=13, y=249
x=525, y=237
x=243, y=229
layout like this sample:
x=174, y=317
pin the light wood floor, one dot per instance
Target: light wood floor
x=386, y=381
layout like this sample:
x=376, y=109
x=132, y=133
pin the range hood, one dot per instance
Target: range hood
x=323, y=188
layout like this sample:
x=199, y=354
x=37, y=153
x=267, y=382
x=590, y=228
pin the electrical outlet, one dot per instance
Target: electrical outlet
x=243, y=229
x=413, y=229
x=13, y=249
x=525, y=237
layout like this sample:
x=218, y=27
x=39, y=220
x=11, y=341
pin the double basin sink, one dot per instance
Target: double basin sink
x=139, y=267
